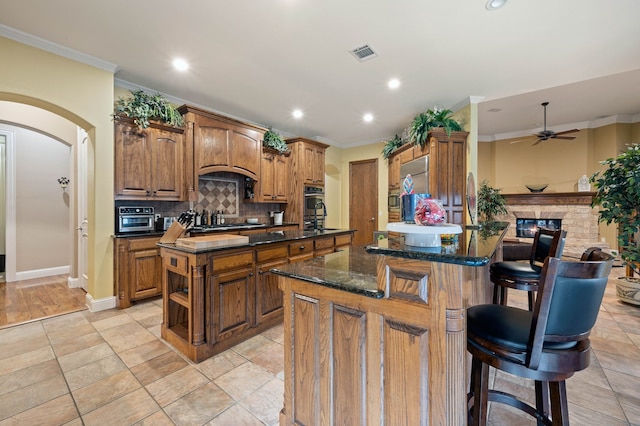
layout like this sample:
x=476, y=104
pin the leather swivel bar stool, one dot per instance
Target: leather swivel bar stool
x=526, y=275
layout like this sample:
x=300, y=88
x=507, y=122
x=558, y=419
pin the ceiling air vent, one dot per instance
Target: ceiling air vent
x=363, y=53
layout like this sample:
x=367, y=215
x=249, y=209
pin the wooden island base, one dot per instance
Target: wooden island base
x=353, y=359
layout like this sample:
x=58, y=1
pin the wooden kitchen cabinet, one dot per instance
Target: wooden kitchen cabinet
x=149, y=162
x=219, y=144
x=233, y=294
x=269, y=300
x=138, y=269
x=273, y=185
x=394, y=172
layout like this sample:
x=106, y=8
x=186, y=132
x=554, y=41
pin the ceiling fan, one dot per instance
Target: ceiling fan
x=550, y=134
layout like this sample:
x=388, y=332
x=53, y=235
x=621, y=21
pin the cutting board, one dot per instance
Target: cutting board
x=209, y=241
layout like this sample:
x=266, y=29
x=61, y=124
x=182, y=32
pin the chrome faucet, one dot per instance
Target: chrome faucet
x=315, y=214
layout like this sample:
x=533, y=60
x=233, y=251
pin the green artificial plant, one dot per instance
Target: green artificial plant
x=429, y=119
x=390, y=146
x=143, y=107
x=618, y=195
x=490, y=203
x=273, y=140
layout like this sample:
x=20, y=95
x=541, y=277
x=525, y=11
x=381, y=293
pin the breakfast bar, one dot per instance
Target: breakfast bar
x=377, y=335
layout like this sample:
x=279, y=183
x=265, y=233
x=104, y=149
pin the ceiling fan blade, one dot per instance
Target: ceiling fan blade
x=527, y=139
x=565, y=137
x=538, y=141
x=567, y=131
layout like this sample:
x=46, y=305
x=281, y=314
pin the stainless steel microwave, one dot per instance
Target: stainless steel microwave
x=135, y=219
x=393, y=202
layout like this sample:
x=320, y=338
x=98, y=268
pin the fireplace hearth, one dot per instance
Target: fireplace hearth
x=527, y=227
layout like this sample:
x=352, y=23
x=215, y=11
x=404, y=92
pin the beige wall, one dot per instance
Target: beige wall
x=84, y=95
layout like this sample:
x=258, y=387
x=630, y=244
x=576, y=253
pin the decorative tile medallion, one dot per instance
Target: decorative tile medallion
x=219, y=194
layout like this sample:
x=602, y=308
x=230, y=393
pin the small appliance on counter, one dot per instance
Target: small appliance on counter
x=135, y=219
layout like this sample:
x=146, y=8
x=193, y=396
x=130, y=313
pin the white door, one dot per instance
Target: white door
x=83, y=222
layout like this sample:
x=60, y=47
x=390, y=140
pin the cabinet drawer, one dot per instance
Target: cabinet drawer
x=143, y=243
x=300, y=248
x=323, y=243
x=234, y=261
x=343, y=240
x=271, y=254
x=177, y=263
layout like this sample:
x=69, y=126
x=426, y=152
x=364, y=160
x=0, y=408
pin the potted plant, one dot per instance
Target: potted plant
x=390, y=146
x=618, y=195
x=425, y=121
x=142, y=107
x=490, y=203
x=273, y=140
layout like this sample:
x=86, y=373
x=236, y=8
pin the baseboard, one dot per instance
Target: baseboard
x=41, y=273
x=96, y=305
x=73, y=282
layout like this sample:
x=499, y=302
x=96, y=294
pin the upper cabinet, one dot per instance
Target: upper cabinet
x=149, y=163
x=273, y=185
x=309, y=155
x=220, y=144
x=394, y=172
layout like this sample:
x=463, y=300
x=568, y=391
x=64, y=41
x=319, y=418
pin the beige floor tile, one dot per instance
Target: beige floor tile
x=252, y=347
x=10, y=348
x=101, y=315
x=271, y=358
x=74, y=344
x=236, y=416
x=127, y=336
x=55, y=412
x=29, y=376
x=143, y=310
x=94, y=372
x=159, y=367
x=26, y=359
x=266, y=402
x=21, y=333
x=595, y=398
x=85, y=356
x=624, y=384
x=275, y=333
x=199, y=406
x=174, y=386
x=128, y=409
x=74, y=331
x=105, y=391
x=64, y=322
x=587, y=417
x=155, y=330
x=113, y=321
x=28, y=397
x=628, y=350
x=139, y=354
x=159, y=418
x=220, y=364
x=631, y=408
x=618, y=363
x=243, y=380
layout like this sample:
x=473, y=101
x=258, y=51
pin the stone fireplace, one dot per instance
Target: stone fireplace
x=571, y=210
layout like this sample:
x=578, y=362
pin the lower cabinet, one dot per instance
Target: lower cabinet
x=138, y=269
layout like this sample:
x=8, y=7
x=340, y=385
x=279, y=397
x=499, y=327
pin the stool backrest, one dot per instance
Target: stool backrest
x=569, y=298
x=547, y=242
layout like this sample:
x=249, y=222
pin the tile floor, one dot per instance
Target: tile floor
x=111, y=367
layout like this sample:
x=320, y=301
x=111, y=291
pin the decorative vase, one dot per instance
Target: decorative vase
x=628, y=290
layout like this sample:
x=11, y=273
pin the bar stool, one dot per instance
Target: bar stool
x=526, y=276
x=547, y=345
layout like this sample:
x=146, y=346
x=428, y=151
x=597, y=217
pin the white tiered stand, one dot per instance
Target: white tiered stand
x=423, y=236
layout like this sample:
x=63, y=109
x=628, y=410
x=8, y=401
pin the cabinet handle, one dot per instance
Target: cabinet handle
x=301, y=247
x=250, y=274
x=260, y=272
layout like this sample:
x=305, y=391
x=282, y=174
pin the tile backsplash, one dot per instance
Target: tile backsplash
x=217, y=191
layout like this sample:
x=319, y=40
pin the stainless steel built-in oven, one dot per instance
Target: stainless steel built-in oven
x=393, y=201
x=135, y=219
x=314, y=207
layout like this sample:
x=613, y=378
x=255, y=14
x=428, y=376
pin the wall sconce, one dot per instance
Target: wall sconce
x=63, y=181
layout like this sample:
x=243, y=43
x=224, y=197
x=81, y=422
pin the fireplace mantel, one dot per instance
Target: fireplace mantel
x=550, y=198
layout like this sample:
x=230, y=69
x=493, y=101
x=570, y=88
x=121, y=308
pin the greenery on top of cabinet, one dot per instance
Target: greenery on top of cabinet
x=391, y=146
x=430, y=119
x=272, y=139
x=143, y=107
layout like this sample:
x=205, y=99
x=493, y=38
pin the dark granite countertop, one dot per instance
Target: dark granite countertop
x=354, y=269
x=350, y=269
x=263, y=238
x=200, y=230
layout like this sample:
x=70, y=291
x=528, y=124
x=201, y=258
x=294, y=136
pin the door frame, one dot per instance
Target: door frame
x=10, y=206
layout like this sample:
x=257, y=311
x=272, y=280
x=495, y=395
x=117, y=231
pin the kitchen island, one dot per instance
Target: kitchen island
x=217, y=297
x=378, y=335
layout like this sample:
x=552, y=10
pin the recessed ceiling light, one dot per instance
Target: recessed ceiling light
x=368, y=117
x=394, y=83
x=495, y=4
x=297, y=113
x=180, y=64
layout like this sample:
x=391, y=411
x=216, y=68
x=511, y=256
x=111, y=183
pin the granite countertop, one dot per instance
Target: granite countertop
x=262, y=238
x=354, y=269
x=204, y=230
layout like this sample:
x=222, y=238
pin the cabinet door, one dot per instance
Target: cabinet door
x=233, y=304
x=269, y=299
x=245, y=154
x=394, y=172
x=146, y=273
x=132, y=166
x=309, y=164
x=281, y=178
x=319, y=166
x=167, y=180
x=267, y=181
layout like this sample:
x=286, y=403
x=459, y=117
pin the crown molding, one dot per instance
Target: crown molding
x=51, y=47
